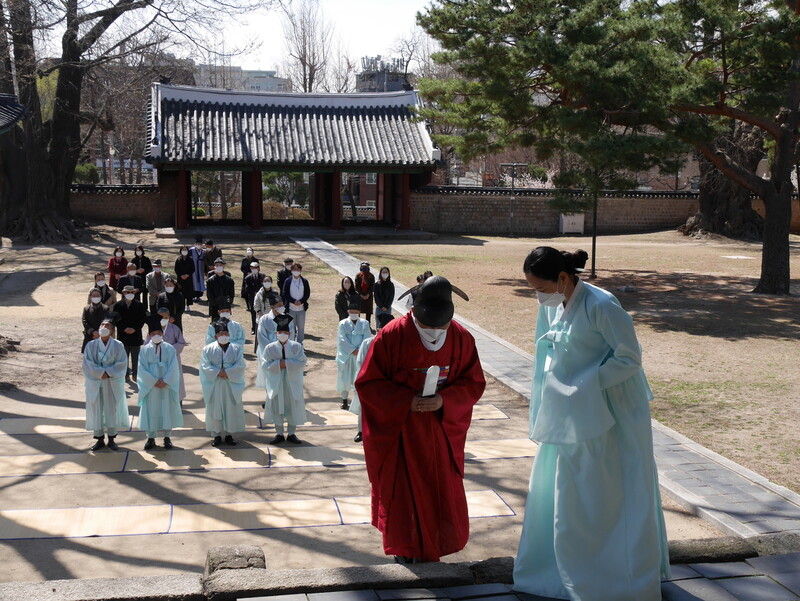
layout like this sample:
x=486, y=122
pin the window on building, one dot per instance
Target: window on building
x=372, y=178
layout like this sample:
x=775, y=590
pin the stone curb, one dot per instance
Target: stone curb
x=178, y=587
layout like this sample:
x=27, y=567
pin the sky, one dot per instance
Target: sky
x=365, y=27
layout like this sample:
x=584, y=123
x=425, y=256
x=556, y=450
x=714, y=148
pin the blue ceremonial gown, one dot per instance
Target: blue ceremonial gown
x=355, y=404
x=223, y=397
x=267, y=333
x=160, y=408
x=106, y=405
x=351, y=335
x=174, y=336
x=199, y=275
x=284, y=386
x=593, y=528
x=235, y=330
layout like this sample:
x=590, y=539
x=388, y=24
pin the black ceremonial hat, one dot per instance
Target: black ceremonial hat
x=220, y=326
x=433, y=304
x=353, y=302
x=154, y=324
x=282, y=322
x=274, y=299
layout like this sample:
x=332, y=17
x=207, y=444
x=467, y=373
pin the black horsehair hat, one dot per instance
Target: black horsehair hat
x=354, y=302
x=433, y=303
x=154, y=324
x=220, y=326
x=282, y=322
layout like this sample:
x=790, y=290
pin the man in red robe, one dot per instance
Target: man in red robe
x=414, y=445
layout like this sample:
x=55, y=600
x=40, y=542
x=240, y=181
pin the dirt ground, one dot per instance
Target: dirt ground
x=724, y=364
x=42, y=292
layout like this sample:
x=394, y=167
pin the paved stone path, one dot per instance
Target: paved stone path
x=773, y=578
x=733, y=498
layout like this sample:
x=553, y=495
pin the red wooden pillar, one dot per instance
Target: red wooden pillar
x=405, y=220
x=336, y=200
x=380, y=210
x=182, y=202
x=254, y=197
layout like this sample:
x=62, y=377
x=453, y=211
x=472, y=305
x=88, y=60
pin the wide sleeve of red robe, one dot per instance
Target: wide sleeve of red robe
x=415, y=460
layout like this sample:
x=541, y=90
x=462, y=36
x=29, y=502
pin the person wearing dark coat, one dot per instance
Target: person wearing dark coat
x=384, y=294
x=365, y=283
x=249, y=257
x=142, y=262
x=93, y=315
x=184, y=270
x=250, y=287
x=172, y=298
x=343, y=297
x=219, y=289
x=132, y=279
x=116, y=266
x=210, y=256
x=296, y=293
x=285, y=273
x=129, y=321
x=108, y=296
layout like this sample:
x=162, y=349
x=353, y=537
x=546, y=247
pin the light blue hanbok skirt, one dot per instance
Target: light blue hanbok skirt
x=594, y=529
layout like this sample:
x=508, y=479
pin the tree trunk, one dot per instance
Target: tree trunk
x=775, y=277
x=65, y=147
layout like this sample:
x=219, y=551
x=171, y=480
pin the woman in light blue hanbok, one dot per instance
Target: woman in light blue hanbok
x=222, y=369
x=235, y=329
x=352, y=332
x=593, y=528
x=159, y=380
x=104, y=367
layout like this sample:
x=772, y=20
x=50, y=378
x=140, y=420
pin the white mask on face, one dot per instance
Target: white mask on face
x=550, y=299
x=95, y=300
x=139, y=253
x=132, y=273
x=169, y=289
x=353, y=316
x=219, y=269
x=118, y=254
x=384, y=275
x=432, y=339
x=100, y=283
x=157, y=269
x=104, y=332
x=129, y=297
x=283, y=336
x=287, y=266
x=198, y=246
x=164, y=323
x=224, y=315
x=184, y=253
x=224, y=339
x=279, y=310
x=156, y=338
x=295, y=274
x=267, y=285
x=249, y=253
x=254, y=270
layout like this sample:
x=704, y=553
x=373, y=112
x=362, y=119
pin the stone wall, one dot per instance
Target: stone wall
x=758, y=206
x=530, y=215
x=136, y=206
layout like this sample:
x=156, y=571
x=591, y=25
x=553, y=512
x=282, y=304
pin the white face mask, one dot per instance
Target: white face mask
x=132, y=273
x=139, y=253
x=156, y=338
x=157, y=269
x=104, y=332
x=267, y=285
x=550, y=299
x=198, y=246
x=433, y=338
x=169, y=289
x=95, y=300
x=224, y=315
x=254, y=271
x=249, y=253
x=283, y=337
x=295, y=274
x=278, y=310
x=353, y=316
x=287, y=266
x=384, y=275
x=164, y=323
x=224, y=339
x=219, y=269
x=129, y=297
x=118, y=254
x=184, y=253
x=100, y=283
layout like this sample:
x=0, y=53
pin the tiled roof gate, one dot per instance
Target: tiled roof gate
x=10, y=112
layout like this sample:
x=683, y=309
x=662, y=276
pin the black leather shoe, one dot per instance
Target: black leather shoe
x=229, y=440
x=217, y=441
x=345, y=404
x=112, y=443
x=151, y=443
x=167, y=443
x=279, y=438
x=101, y=442
x=357, y=437
x=293, y=439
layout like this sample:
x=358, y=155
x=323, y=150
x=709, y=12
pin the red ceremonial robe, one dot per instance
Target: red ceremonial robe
x=415, y=460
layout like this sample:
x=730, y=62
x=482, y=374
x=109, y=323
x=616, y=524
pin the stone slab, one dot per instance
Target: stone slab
x=725, y=570
x=164, y=588
x=756, y=588
x=476, y=590
x=408, y=594
x=775, y=564
x=698, y=589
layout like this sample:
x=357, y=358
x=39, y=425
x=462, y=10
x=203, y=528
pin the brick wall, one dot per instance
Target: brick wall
x=140, y=209
x=496, y=214
x=758, y=206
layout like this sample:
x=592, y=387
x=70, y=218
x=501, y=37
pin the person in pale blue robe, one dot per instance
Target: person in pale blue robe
x=283, y=362
x=104, y=366
x=174, y=336
x=222, y=380
x=355, y=405
x=235, y=329
x=594, y=528
x=266, y=331
x=159, y=386
x=351, y=333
